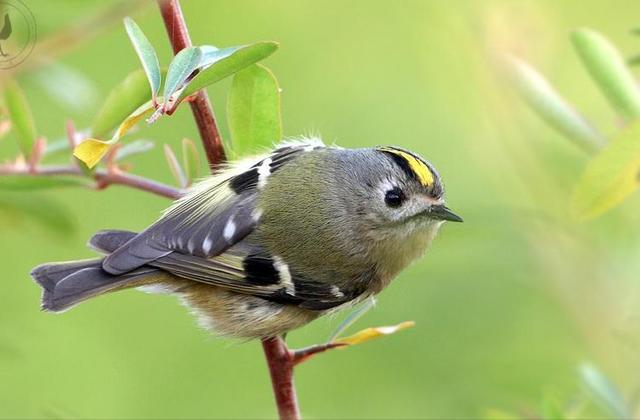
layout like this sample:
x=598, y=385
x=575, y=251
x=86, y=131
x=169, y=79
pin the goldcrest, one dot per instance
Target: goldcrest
x=270, y=243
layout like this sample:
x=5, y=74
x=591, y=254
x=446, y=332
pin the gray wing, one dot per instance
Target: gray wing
x=217, y=214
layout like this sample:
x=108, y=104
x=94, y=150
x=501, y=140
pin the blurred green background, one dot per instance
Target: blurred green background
x=507, y=305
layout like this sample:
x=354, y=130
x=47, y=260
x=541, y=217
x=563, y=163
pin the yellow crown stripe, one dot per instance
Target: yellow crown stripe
x=422, y=171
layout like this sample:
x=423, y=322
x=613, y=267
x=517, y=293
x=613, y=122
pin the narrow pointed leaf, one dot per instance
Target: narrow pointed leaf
x=605, y=392
x=373, y=333
x=124, y=99
x=609, y=70
x=242, y=57
x=20, y=115
x=553, y=108
x=67, y=85
x=134, y=148
x=14, y=207
x=40, y=182
x=190, y=160
x=211, y=54
x=352, y=318
x=253, y=109
x=174, y=166
x=182, y=65
x=610, y=177
x=146, y=54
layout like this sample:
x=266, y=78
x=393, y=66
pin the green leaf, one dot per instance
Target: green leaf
x=67, y=85
x=14, y=207
x=181, y=67
x=605, y=392
x=253, y=109
x=190, y=160
x=124, y=99
x=552, y=409
x=552, y=107
x=211, y=54
x=146, y=53
x=21, y=118
x=609, y=70
x=610, y=177
x=134, y=148
x=352, y=318
x=40, y=182
x=242, y=57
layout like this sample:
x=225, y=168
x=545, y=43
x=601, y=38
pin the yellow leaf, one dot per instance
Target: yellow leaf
x=133, y=119
x=373, y=333
x=91, y=151
x=610, y=177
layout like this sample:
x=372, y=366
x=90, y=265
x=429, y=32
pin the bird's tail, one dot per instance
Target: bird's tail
x=66, y=284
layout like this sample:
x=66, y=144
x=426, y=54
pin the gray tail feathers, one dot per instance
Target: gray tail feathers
x=66, y=284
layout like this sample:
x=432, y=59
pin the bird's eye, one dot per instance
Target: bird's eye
x=394, y=197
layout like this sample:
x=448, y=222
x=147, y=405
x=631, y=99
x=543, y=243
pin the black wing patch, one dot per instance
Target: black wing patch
x=250, y=270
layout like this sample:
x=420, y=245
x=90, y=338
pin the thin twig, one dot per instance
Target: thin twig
x=200, y=105
x=102, y=177
x=302, y=355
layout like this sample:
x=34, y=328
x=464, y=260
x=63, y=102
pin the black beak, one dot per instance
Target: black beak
x=441, y=212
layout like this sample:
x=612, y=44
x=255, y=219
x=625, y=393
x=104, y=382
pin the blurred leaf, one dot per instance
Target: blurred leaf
x=610, y=177
x=605, y=393
x=190, y=160
x=181, y=67
x=495, y=414
x=608, y=69
x=57, y=146
x=67, y=85
x=123, y=100
x=174, y=166
x=633, y=61
x=242, y=57
x=552, y=409
x=134, y=148
x=91, y=151
x=373, y=333
x=15, y=207
x=20, y=115
x=353, y=317
x=253, y=109
x=146, y=54
x=40, y=182
x=552, y=107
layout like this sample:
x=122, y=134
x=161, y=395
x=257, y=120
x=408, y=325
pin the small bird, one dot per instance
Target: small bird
x=270, y=243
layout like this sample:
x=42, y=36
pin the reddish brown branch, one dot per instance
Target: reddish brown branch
x=200, y=105
x=281, y=362
x=102, y=177
x=302, y=355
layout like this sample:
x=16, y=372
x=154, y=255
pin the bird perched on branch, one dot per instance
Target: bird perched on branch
x=270, y=243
